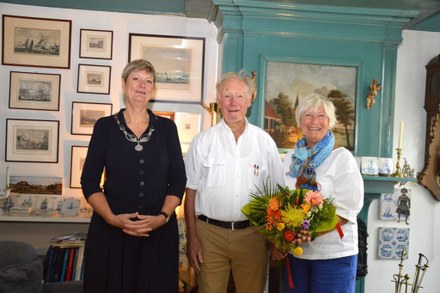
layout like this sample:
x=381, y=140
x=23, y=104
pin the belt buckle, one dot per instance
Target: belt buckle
x=232, y=226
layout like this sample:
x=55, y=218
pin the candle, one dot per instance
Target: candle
x=400, y=135
x=7, y=177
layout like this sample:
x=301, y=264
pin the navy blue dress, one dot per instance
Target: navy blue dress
x=136, y=181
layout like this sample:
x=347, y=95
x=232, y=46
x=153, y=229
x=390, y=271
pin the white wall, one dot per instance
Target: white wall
x=416, y=50
x=121, y=24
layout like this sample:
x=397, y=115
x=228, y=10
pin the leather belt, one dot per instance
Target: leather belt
x=228, y=225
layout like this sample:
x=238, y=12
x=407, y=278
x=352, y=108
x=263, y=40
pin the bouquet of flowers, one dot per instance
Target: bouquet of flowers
x=290, y=218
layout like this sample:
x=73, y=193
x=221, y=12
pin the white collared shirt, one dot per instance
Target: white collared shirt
x=225, y=172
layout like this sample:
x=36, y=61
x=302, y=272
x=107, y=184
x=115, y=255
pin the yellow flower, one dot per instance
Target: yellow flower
x=280, y=226
x=297, y=250
x=293, y=216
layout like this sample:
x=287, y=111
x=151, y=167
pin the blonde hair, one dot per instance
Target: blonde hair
x=136, y=65
x=313, y=101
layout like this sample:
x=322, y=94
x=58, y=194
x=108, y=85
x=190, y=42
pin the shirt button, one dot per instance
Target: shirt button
x=141, y=183
x=141, y=195
x=141, y=172
x=141, y=161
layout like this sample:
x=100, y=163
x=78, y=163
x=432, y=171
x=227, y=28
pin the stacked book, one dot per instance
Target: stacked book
x=64, y=259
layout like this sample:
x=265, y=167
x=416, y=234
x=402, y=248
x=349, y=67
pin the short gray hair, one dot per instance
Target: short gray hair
x=136, y=65
x=247, y=79
x=314, y=101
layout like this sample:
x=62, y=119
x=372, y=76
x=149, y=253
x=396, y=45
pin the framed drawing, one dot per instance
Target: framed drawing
x=37, y=42
x=93, y=79
x=287, y=83
x=179, y=64
x=77, y=158
x=35, y=91
x=33, y=141
x=97, y=44
x=85, y=115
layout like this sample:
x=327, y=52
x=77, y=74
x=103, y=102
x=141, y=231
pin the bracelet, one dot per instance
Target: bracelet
x=167, y=217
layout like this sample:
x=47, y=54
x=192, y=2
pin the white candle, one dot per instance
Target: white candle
x=400, y=135
x=7, y=177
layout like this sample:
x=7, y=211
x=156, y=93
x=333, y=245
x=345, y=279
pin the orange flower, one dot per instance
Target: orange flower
x=274, y=204
x=289, y=235
x=306, y=207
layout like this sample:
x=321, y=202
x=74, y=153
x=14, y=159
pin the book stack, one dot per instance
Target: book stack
x=63, y=261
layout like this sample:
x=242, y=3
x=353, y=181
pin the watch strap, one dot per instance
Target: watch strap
x=167, y=217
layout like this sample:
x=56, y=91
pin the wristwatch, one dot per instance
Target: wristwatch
x=167, y=217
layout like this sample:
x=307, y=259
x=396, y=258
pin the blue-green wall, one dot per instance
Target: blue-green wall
x=365, y=39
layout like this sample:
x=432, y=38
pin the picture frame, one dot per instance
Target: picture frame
x=96, y=44
x=188, y=125
x=94, y=79
x=32, y=141
x=77, y=158
x=179, y=63
x=34, y=91
x=85, y=115
x=165, y=114
x=36, y=42
x=288, y=80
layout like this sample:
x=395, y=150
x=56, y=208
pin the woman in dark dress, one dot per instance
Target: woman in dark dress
x=132, y=242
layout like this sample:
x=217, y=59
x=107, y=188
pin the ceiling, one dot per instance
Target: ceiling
x=427, y=19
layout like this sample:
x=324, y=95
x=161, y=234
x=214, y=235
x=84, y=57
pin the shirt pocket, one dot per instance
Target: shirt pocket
x=257, y=175
x=214, y=171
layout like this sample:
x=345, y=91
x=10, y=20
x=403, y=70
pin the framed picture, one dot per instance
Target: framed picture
x=77, y=158
x=97, y=44
x=34, y=141
x=37, y=42
x=37, y=185
x=85, y=115
x=34, y=91
x=188, y=125
x=93, y=79
x=169, y=115
x=179, y=64
x=287, y=82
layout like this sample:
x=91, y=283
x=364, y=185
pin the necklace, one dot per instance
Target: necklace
x=132, y=138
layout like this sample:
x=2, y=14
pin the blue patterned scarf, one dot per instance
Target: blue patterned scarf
x=306, y=160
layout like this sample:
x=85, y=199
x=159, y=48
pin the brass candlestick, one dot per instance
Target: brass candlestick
x=398, y=173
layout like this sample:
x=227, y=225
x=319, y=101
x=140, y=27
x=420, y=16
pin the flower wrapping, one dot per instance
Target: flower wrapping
x=290, y=218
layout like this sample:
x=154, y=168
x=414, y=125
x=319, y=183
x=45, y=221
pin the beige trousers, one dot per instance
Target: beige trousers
x=244, y=251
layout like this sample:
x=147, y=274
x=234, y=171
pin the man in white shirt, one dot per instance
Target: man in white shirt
x=224, y=165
